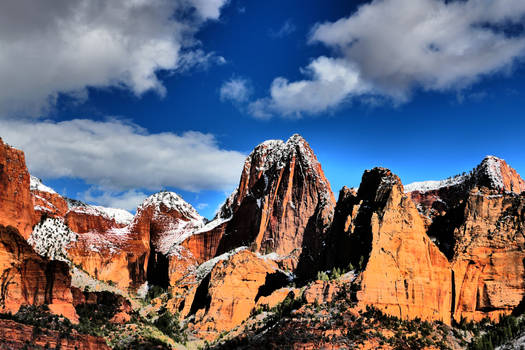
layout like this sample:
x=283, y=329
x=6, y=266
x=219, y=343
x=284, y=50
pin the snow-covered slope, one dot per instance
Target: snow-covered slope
x=51, y=237
x=176, y=219
x=167, y=201
x=37, y=185
x=489, y=170
x=120, y=216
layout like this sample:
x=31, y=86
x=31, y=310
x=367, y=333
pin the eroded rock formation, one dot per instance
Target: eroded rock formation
x=29, y=279
x=402, y=271
x=16, y=206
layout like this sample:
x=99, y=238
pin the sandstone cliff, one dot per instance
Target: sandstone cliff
x=381, y=233
x=28, y=279
x=16, y=207
x=283, y=205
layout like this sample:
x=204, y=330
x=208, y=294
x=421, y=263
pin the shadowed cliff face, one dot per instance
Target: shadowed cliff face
x=283, y=205
x=379, y=231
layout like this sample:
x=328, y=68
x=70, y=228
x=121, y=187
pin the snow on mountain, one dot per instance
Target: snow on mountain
x=120, y=216
x=489, y=168
x=51, y=237
x=425, y=186
x=277, y=153
x=36, y=184
x=176, y=229
x=166, y=200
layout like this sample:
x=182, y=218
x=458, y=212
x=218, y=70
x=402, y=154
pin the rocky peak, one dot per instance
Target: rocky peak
x=283, y=202
x=166, y=201
x=495, y=173
x=377, y=184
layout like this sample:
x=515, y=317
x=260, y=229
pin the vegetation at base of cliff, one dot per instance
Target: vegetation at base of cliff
x=41, y=319
x=493, y=335
x=335, y=323
x=157, y=329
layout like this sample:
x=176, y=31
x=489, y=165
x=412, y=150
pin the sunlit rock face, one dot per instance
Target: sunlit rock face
x=16, y=206
x=380, y=233
x=283, y=205
x=29, y=279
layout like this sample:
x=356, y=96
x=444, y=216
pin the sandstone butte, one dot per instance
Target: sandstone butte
x=433, y=250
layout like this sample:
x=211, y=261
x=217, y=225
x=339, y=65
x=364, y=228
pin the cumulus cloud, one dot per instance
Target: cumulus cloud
x=64, y=46
x=388, y=48
x=331, y=81
x=236, y=90
x=119, y=156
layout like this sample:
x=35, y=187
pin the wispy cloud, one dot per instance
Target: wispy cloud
x=236, y=90
x=287, y=28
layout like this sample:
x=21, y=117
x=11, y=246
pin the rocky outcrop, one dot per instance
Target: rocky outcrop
x=402, y=273
x=46, y=201
x=283, y=205
x=231, y=290
x=477, y=221
x=489, y=255
x=15, y=336
x=16, y=206
x=28, y=279
x=168, y=225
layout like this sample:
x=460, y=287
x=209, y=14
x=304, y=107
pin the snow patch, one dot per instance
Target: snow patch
x=205, y=268
x=35, y=184
x=50, y=239
x=425, y=186
x=171, y=201
x=120, y=216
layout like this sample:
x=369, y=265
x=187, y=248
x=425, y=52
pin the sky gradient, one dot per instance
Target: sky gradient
x=149, y=100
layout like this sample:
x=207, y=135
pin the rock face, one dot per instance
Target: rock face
x=16, y=336
x=283, y=204
x=403, y=272
x=28, y=279
x=477, y=221
x=166, y=223
x=232, y=289
x=16, y=207
x=489, y=255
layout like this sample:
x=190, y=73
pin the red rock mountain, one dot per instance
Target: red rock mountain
x=379, y=232
x=437, y=250
x=474, y=269
x=283, y=204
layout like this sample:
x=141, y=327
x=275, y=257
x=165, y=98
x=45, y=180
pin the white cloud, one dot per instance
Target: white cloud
x=235, y=90
x=389, y=48
x=64, y=46
x=118, y=156
x=331, y=81
x=128, y=200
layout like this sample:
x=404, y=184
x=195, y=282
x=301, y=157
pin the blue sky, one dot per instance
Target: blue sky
x=427, y=106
